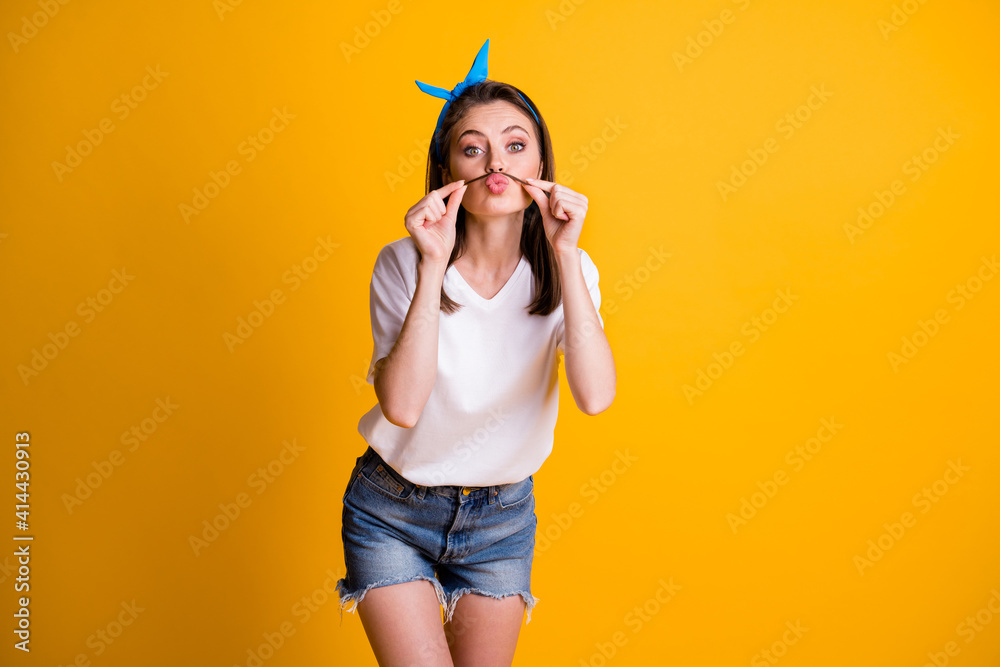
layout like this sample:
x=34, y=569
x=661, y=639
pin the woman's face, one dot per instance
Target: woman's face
x=494, y=137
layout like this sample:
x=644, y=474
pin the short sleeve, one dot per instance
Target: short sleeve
x=389, y=303
x=590, y=278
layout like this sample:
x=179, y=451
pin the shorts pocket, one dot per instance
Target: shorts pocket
x=388, y=482
x=515, y=494
x=358, y=463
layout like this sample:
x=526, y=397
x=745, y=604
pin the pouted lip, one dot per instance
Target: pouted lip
x=497, y=179
x=503, y=176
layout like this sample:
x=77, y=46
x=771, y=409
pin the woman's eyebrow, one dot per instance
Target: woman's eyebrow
x=507, y=129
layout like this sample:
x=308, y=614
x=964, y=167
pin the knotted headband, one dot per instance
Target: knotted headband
x=475, y=75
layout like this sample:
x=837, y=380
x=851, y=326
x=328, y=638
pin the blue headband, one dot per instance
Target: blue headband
x=475, y=75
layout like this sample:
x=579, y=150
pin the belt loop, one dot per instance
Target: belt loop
x=421, y=490
x=492, y=495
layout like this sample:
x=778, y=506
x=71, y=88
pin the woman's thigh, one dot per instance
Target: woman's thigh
x=483, y=631
x=403, y=625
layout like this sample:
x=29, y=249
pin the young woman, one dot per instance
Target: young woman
x=469, y=312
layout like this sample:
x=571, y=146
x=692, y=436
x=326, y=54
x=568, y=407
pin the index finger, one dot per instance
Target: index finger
x=447, y=189
x=540, y=184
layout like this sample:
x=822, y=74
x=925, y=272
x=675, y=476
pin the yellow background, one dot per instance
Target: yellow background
x=652, y=184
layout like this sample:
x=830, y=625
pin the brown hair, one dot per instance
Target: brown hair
x=534, y=244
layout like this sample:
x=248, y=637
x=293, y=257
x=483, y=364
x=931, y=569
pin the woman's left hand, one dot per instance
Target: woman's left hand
x=562, y=211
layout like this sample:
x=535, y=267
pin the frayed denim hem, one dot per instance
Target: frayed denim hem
x=448, y=602
x=449, y=609
x=347, y=598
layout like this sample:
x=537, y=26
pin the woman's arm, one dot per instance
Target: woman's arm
x=590, y=365
x=404, y=379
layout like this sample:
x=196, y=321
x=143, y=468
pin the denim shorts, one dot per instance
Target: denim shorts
x=462, y=539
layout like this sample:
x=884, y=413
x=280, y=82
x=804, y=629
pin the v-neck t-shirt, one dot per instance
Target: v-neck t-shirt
x=491, y=415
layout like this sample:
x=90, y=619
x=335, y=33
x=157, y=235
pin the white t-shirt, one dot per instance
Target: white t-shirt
x=491, y=414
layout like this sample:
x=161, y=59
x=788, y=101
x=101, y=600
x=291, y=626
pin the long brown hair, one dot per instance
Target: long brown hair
x=534, y=244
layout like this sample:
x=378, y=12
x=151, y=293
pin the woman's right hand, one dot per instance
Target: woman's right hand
x=432, y=224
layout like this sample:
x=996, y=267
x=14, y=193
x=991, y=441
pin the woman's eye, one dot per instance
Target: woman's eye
x=520, y=147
